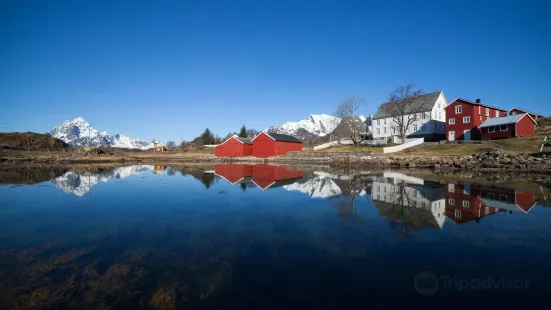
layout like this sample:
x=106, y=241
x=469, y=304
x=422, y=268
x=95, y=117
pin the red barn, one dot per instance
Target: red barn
x=268, y=176
x=517, y=125
x=269, y=144
x=234, y=173
x=234, y=147
x=514, y=111
x=463, y=118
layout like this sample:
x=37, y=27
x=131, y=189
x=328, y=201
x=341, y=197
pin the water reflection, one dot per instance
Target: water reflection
x=165, y=237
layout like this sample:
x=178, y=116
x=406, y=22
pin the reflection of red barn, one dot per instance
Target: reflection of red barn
x=463, y=204
x=234, y=173
x=508, y=199
x=273, y=144
x=267, y=176
x=234, y=147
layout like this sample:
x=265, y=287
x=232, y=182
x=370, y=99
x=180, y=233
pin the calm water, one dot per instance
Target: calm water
x=267, y=237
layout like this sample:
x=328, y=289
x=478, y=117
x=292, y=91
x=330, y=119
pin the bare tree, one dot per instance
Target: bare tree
x=347, y=110
x=251, y=133
x=401, y=108
x=183, y=145
x=170, y=145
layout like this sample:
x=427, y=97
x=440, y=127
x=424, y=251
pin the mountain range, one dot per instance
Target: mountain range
x=319, y=125
x=78, y=132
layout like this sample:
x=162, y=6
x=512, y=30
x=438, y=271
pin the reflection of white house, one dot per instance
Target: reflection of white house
x=397, y=188
x=430, y=119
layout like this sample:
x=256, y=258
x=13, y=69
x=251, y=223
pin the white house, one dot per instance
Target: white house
x=430, y=120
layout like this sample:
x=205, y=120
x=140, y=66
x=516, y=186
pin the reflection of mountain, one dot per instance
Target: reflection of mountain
x=319, y=186
x=80, y=184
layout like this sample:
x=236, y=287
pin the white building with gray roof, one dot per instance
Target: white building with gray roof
x=430, y=119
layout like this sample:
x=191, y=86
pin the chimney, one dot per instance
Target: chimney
x=477, y=100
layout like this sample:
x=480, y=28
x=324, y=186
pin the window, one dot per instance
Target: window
x=458, y=109
x=458, y=213
x=378, y=122
x=451, y=188
x=439, y=116
x=466, y=204
x=378, y=131
x=451, y=121
x=384, y=130
x=424, y=116
x=384, y=121
x=486, y=210
x=497, y=113
x=503, y=128
x=451, y=201
x=491, y=129
x=466, y=119
x=414, y=127
x=440, y=106
x=487, y=112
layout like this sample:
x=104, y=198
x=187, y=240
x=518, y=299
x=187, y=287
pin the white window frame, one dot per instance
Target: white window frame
x=384, y=121
x=451, y=121
x=466, y=204
x=451, y=188
x=415, y=127
x=451, y=201
x=487, y=112
x=501, y=128
x=384, y=130
x=497, y=113
x=378, y=131
x=424, y=115
x=457, y=214
x=492, y=129
x=458, y=109
x=466, y=119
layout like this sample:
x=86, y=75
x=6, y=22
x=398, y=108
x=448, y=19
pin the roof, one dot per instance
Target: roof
x=281, y=137
x=421, y=103
x=242, y=140
x=522, y=110
x=480, y=104
x=510, y=119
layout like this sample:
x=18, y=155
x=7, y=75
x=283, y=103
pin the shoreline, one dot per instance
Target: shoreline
x=488, y=161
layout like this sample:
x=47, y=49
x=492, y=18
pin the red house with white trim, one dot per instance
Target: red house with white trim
x=463, y=118
x=511, y=126
x=234, y=147
x=269, y=144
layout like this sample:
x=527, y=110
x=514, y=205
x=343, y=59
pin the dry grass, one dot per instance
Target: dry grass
x=353, y=148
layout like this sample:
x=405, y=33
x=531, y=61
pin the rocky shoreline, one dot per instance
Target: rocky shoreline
x=489, y=161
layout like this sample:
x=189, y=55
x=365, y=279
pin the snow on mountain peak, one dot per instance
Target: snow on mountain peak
x=79, y=132
x=316, y=124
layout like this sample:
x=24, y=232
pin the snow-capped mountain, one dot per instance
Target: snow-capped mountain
x=317, y=125
x=79, y=184
x=78, y=132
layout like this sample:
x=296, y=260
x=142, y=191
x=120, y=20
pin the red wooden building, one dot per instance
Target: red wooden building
x=514, y=111
x=269, y=144
x=234, y=173
x=268, y=176
x=517, y=125
x=463, y=118
x=463, y=204
x=234, y=147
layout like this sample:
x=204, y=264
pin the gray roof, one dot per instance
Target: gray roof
x=422, y=103
x=497, y=121
x=531, y=113
x=282, y=137
x=244, y=140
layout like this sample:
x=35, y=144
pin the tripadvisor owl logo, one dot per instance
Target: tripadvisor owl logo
x=426, y=283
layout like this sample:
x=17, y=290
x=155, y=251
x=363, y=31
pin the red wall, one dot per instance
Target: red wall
x=233, y=148
x=525, y=127
x=264, y=146
x=476, y=209
x=264, y=175
x=477, y=114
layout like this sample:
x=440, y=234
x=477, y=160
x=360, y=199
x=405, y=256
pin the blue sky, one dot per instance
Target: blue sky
x=168, y=70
